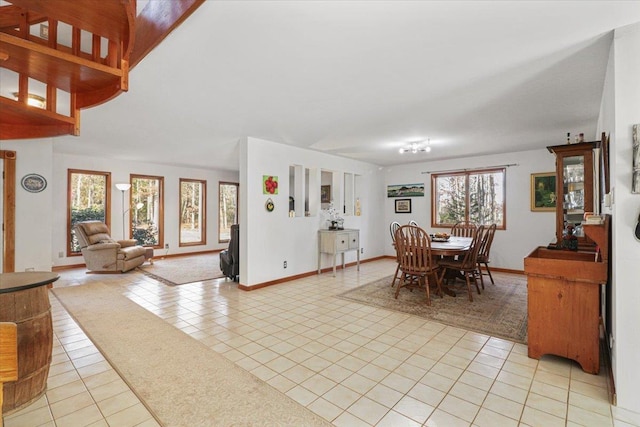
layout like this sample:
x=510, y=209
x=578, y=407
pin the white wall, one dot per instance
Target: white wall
x=34, y=216
x=620, y=111
x=270, y=238
x=525, y=229
x=120, y=171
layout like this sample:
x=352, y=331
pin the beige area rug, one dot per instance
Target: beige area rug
x=180, y=380
x=500, y=311
x=184, y=269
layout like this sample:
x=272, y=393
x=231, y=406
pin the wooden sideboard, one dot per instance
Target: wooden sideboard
x=564, y=300
x=336, y=242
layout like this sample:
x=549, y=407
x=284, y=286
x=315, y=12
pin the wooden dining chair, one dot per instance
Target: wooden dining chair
x=467, y=265
x=483, y=253
x=464, y=229
x=417, y=267
x=393, y=227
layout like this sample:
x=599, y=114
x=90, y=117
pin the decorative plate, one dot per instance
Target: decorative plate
x=269, y=205
x=33, y=183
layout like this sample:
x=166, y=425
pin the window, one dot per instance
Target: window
x=228, y=209
x=476, y=195
x=146, y=214
x=88, y=198
x=193, y=212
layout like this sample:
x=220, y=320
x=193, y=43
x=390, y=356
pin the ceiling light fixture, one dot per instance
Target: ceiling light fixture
x=33, y=100
x=417, y=147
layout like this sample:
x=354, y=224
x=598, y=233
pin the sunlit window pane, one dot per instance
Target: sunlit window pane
x=192, y=212
x=88, y=197
x=146, y=210
x=228, y=209
x=476, y=196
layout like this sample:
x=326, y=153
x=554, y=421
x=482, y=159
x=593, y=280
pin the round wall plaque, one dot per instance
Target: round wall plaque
x=33, y=183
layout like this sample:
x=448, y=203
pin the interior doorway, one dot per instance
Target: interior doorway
x=8, y=210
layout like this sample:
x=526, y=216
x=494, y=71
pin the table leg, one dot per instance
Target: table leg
x=445, y=288
x=334, y=264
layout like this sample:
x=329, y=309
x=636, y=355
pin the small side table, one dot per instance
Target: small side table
x=336, y=242
x=148, y=254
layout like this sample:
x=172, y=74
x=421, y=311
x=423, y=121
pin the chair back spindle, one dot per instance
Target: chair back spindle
x=464, y=229
x=415, y=261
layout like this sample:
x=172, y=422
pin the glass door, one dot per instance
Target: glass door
x=574, y=193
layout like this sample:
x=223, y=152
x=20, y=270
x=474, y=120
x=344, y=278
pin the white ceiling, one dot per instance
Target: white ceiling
x=361, y=79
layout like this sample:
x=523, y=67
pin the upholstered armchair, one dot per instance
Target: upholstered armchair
x=102, y=253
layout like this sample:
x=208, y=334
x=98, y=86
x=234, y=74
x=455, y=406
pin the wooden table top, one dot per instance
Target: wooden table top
x=11, y=282
x=454, y=246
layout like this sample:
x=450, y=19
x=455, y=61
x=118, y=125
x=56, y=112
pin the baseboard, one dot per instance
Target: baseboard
x=507, y=270
x=157, y=253
x=155, y=256
x=498, y=269
x=68, y=267
x=606, y=355
x=302, y=275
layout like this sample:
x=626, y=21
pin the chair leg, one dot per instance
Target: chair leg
x=480, y=275
x=403, y=282
x=423, y=281
x=475, y=281
x=434, y=274
x=466, y=276
x=489, y=271
x=395, y=276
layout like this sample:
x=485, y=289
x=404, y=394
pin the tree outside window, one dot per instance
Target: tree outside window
x=146, y=213
x=228, y=209
x=88, y=198
x=476, y=195
x=192, y=212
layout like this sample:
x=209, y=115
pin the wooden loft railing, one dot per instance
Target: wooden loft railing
x=89, y=77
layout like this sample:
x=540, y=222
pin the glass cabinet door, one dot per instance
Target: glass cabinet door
x=576, y=187
x=574, y=192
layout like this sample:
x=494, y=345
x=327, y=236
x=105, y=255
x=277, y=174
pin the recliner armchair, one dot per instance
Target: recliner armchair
x=102, y=253
x=229, y=258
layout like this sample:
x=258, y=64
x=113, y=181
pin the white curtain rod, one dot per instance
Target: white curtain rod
x=472, y=169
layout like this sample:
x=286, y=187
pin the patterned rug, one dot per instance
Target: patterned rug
x=184, y=269
x=500, y=310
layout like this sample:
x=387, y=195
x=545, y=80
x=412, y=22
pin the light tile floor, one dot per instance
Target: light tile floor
x=352, y=364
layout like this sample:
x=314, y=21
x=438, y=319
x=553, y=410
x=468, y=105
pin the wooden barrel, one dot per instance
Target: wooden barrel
x=30, y=309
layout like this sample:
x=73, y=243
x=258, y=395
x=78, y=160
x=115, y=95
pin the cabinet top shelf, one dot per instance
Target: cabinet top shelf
x=581, y=146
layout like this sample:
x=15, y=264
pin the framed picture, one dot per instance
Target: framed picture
x=405, y=190
x=543, y=192
x=403, y=206
x=325, y=194
x=269, y=184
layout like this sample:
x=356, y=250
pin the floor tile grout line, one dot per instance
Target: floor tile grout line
x=242, y=312
x=105, y=417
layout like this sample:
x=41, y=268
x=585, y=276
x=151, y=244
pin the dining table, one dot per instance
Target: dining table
x=453, y=246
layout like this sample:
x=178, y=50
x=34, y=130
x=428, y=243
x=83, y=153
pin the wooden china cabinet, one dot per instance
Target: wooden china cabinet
x=575, y=187
x=564, y=286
